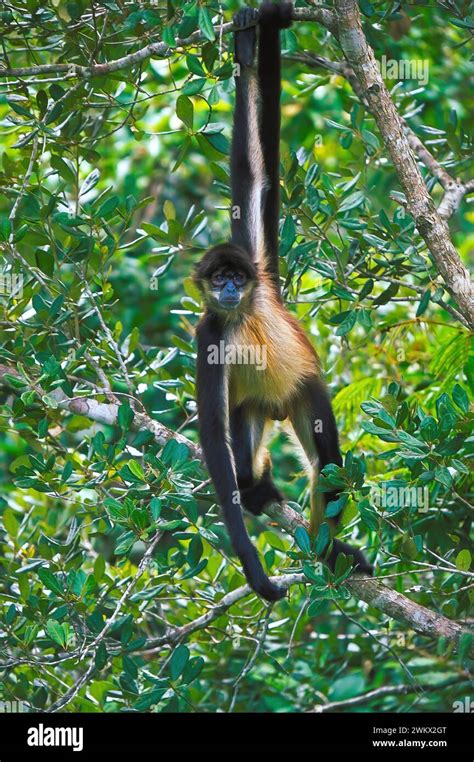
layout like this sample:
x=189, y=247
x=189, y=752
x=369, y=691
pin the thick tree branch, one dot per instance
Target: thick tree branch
x=377, y=594
x=106, y=413
x=155, y=50
x=372, y=591
x=178, y=634
x=430, y=223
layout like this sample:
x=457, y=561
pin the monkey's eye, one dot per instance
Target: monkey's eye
x=240, y=279
x=218, y=279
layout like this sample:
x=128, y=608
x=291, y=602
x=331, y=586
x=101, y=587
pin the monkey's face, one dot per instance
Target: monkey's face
x=228, y=288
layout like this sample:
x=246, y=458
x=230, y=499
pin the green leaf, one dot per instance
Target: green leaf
x=63, y=169
x=5, y=228
x=178, y=661
x=136, y=469
x=205, y=23
x=368, y=515
x=347, y=687
x=443, y=476
x=195, y=570
x=318, y=607
x=185, y=110
x=101, y=656
x=10, y=522
x=347, y=324
x=49, y=580
x=149, y=698
x=408, y=547
x=192, y=669
x=323, y=539
x=14, y=381
x=424, y=301
x=169, y=36
x=463, y=560
x=334, y=507
x=194, y=65
x=108, y=207
x=219, y=142
x=302, y=540
x=194, y=86
x=99, y=568
x=67, y=471
x=125, y=416
x=56, y=632
x=460, y=398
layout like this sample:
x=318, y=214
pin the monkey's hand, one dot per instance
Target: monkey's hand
x=245, y=37
x=275, y=15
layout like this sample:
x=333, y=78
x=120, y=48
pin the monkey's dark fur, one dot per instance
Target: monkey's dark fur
x=239, y=281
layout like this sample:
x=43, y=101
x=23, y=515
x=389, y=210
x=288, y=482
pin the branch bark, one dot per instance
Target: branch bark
x=430, y=223
x=390, y=690
x=372, y=591
x=156, y=49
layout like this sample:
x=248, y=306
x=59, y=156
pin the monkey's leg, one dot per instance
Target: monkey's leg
x=252, y=460
x=314, y=424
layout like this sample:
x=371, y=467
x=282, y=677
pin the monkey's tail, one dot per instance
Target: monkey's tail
x=248, y=555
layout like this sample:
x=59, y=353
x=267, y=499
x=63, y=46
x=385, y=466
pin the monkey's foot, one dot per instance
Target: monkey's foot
x=246, y=36
x=255, y=498
x=360, y=563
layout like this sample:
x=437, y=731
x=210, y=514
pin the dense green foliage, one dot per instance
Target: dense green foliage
x=111, y=188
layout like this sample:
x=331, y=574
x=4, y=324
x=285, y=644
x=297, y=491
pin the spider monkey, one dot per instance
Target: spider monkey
x=239, y=282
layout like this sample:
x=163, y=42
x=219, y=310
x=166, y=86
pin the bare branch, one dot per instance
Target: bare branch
x=156, y=49
x=455, y=193
x=390, y=690
x=107, y=413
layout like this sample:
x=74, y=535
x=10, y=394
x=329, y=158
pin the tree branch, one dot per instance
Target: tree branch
x=372, y=591
x=156, y=49
x=390, y=690
x=430, y=223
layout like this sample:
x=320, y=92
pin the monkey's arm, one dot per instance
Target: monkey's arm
x=272, y=18
x=214, y=435
x=246, y=168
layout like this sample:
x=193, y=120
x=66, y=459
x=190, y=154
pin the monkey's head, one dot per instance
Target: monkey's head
x=227, y=279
